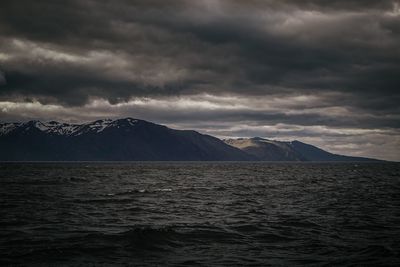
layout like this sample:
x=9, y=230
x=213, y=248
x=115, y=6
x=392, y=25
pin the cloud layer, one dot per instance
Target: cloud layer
x=321, y=71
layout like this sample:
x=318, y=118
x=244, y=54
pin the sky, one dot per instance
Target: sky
x=322, y=72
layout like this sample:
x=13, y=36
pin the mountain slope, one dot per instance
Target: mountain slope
x=313, y=153
x=270, y=150
x=119, y=140
x=266, y=150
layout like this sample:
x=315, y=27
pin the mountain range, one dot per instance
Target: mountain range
x=138, y=140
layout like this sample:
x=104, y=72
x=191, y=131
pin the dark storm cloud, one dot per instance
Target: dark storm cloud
x=230, y=46
x=69, y=52
x=341, y=4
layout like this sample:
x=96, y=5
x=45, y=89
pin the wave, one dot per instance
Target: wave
x=144, y=238
x=157, y=190
x=163, y=238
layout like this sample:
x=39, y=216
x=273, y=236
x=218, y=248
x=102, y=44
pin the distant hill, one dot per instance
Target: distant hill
x=270, y=150
x=109, y=140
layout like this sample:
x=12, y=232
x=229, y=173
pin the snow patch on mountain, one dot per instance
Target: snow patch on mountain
x=5, y=128
x=66, y=129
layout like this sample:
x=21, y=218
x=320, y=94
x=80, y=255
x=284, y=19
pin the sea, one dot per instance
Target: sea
x=199, y=214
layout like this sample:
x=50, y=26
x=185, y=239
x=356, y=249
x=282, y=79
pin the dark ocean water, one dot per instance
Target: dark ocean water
x=207, y=214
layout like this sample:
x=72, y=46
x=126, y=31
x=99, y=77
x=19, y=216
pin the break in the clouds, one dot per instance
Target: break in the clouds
x=326, y=72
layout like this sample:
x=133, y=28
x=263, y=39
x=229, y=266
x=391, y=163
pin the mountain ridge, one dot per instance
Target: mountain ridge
x=272, y=150
x=130, y=139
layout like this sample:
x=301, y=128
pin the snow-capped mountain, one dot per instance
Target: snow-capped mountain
x=118, y=140
x=66, y=129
